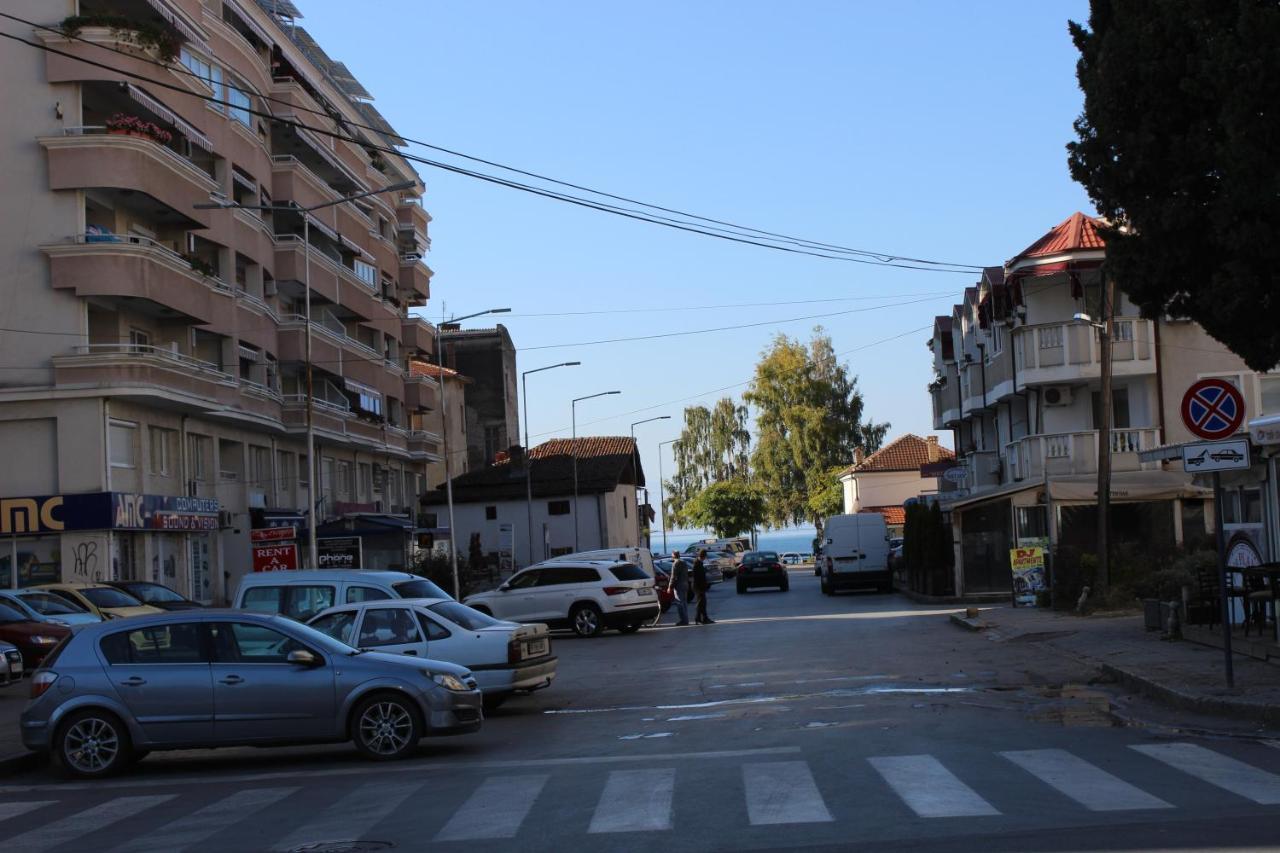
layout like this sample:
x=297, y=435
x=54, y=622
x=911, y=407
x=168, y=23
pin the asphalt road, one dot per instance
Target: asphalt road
x=855, y=722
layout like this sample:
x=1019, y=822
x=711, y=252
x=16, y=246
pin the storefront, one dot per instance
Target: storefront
x=109, y=536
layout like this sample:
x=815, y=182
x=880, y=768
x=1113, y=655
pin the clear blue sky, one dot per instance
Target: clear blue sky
x=927, y=129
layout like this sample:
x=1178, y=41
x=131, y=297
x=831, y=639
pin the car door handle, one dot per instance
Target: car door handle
x=231, y=679
x=134, y=681
x=410, y=652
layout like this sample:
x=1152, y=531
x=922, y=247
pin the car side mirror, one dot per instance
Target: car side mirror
x=302, y=657
x=504, y=587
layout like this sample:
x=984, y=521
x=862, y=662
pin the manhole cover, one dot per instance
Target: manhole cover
x=343, y=847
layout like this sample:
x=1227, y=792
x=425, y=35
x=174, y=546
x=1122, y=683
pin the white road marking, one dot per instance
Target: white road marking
x=8, y=810
x=782, y=792
x=80, y=824
x=351, y=817
x=1090, y=786
x=191, y=829
x=635, y=801
x=403, y=767
x=930, y=789
x=1217, y=769
x=495, y=810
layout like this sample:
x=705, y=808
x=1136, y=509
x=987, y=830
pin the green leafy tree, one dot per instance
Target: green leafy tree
x=729, y=507
x=809, y=420
x=1176, y=146
x=828, y=499
x=715, y=445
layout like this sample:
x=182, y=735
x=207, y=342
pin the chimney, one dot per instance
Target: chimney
x=515, y=455
x=858, y=455
x=934, y=453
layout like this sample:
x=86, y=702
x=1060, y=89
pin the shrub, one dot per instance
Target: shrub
x=166, y=42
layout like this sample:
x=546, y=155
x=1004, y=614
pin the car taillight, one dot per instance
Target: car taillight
x=513, y=651
x=777, y=567
x=42, y=681
x=617, y=590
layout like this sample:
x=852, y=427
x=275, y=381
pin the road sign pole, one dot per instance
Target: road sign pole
x=1223, y=586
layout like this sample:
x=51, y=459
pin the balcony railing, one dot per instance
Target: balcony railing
x=1068, y=352
x=162, y=354
x=1050, y=454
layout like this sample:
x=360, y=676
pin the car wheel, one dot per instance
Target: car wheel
x=826, y=587
x=630, y=628
x=786, y=585
x=493, y=701
x=742, y=587
x=586, y=620
x=92, y=744
x=385, y=728
x=817, y=572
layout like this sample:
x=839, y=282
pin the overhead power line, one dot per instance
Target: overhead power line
x=742, y=234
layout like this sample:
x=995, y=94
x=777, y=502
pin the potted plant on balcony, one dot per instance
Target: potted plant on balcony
x=130, y=125
x=201, y=266
x=166, y=42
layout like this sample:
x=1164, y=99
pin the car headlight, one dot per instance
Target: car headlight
x=449, y=682
x=44, y=640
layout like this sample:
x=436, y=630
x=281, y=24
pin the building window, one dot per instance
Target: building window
x=285, y=471
x=198, y=449
x=1122, y=331
x=240, y=102
x=123, y=436
x=366, y=273
x=345, y=485
x=230, y=460
x=1119, y=409
x=260, y=465
x=557, y=507
x=139, y=341
x=328, y=478
x=365, y=470
x=1269, y=394
x=163, y=444
x=491, y=513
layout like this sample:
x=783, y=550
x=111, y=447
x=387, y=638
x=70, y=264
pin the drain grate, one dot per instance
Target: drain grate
x=344, y=846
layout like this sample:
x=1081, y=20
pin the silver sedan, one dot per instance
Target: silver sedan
x=112, y=692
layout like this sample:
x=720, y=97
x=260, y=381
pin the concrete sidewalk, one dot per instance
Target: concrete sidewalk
x=1181, y=674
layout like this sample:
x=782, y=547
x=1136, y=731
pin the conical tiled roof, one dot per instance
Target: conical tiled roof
x=1076, y=233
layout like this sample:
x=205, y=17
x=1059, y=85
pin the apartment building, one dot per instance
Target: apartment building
x=1017, y=380
x=153, y=401
x=487, y=356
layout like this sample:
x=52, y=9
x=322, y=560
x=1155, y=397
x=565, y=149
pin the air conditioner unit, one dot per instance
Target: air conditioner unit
x=224, y=519
x=1057, y=395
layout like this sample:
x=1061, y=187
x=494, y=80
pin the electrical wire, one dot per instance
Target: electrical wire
x=882, y=257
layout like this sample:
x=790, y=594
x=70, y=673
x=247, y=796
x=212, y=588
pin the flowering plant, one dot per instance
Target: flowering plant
x=134, y=124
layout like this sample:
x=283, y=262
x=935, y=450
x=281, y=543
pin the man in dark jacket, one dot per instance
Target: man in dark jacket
x=680, y=586
x=700, y=587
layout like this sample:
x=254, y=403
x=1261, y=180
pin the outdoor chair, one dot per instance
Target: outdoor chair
x=1205, y=606
x=1257, y=600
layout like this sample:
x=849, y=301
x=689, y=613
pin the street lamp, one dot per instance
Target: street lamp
x=444, y=435
x=1105, y=332
x=312, y=556
x=574, y=450
x=662, y=501
x=528, y=461
x=639, y=526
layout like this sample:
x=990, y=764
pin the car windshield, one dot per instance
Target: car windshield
x=463, y=616
x=420, y=588
x=150, y=592
x=105, y=596
x=49, y=605
x=757, y=557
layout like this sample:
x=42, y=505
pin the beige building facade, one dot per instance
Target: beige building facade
x=153, y=400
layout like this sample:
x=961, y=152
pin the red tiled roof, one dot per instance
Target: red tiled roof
x=892, y=514
x=417, y=367
x=603, y=463
x=907, y=453
x=588, y=447
x=1074, y=234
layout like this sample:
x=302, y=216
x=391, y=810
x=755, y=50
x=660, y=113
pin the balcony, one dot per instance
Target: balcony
x=326, y=344
x=1064, y=353
x=146, y=371
x=134, y=267
x=946, y=408
x=415, y=277
x=91, y=158
x=424, y=445
x=983, y=468
x=1056, y=454
x=417, y=334
x=420, y=393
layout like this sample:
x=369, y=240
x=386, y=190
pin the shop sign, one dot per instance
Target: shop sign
x=956, y=474
x=275, y=558
x=1265, y=430
x=105, y=511
x=1028, y=574
x=339, y=552
x=162, y=512
x=273, y=534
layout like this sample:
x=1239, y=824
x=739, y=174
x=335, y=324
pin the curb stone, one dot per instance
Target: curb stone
x=968, y=624
x=1268, y=714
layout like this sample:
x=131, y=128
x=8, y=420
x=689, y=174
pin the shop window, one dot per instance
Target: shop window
x=491, y=513
x=163, y=444
x=123, y=437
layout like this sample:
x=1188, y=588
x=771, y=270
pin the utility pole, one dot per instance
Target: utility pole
x=1104, y=435
x=662, y=501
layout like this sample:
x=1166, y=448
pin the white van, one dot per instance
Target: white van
x=855, y=553
x=301, y=594
x=636, y=556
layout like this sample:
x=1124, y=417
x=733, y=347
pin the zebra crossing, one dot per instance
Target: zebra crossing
x=768, y=793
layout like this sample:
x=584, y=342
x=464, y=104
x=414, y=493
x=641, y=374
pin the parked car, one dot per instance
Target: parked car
x=34, y=639
x=719, y=565
x=639, y=556
x=855, y=553
x=504, y=657
x=662, y=582
x=114, y=691
x=43, y=606
x=587, y=596
x=762, y=568
x=302, y=594
x=791, y=558
x=106, y=601
x=11, y=666
x=157, y=595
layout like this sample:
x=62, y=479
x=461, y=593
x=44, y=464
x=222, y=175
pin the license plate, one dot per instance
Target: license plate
x=644, y=590
x=15, y=667
x=535, y=648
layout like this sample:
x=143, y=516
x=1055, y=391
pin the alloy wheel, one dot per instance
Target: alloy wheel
x=91, y=745
x=385, y=727
x=586, y=622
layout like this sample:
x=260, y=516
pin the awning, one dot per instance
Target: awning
x=1127, y=487
x=250, y=23
x=986, y=495
x=179, y=23
x=167, y=115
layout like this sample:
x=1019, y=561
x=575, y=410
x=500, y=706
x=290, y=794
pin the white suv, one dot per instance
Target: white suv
x=585, y=595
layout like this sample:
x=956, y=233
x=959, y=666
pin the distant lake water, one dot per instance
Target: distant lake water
x=798, y=539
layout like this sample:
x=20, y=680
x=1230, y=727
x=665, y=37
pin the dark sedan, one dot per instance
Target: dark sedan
x=157, y=595
x=33, y=639
x=762, y=568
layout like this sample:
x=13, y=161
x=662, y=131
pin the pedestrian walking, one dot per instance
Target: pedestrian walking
x=680, y=586
x=700, y=587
